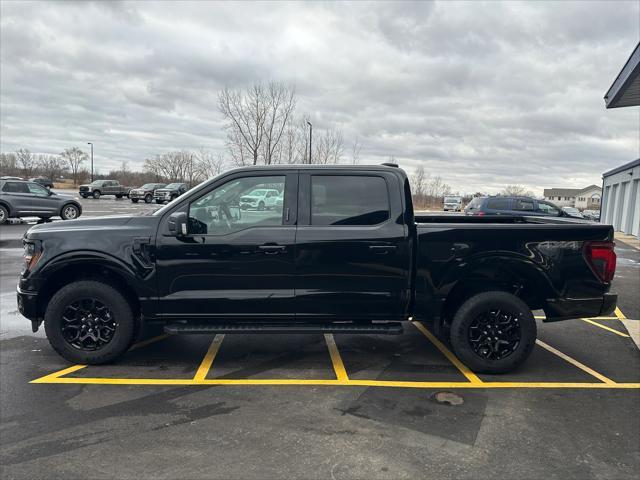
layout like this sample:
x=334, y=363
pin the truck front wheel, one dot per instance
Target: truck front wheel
x=493, y=332
x=96, y=194
x=89, y=322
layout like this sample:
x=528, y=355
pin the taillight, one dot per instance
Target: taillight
x=480, y=214
x=601, y=257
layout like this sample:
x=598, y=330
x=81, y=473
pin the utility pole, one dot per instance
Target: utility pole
x=89, y=143
x=310, y=139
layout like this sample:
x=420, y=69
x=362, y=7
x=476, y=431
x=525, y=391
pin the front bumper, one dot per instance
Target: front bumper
x=139, y=195
x=28, y=304
x=568, y=308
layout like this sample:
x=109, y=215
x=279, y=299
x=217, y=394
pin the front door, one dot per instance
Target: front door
x=353, y=259
x=233, y=263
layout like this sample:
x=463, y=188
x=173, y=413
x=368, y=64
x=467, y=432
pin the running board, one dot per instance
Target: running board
x=389, y=328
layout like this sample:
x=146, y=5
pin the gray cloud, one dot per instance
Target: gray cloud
x=482, y=94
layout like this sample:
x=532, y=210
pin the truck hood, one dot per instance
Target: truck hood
x=92, y=224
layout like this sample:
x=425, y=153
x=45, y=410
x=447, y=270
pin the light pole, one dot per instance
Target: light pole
x=310, y=138
x=89, y=143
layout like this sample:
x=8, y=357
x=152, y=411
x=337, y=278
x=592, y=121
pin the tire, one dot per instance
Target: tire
x=514, y=323
x=103, y=294
x=159, y=202
x=4, y=214
x=119, y=196
x=84, y=196
x=135, y=200
x=69, y=212
x=96, y=194
x=261, y=206
x=148, y=198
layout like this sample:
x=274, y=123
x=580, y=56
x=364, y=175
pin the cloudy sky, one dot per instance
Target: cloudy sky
x=482, y=94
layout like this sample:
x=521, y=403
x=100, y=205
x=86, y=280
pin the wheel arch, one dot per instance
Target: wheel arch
x=64, y=271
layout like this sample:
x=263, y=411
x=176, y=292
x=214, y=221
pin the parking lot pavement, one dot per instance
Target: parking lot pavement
x=323, y=406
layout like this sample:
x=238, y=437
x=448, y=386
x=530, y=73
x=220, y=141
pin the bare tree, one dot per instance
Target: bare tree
x=25, y=161
x=280, y=104
x=74, y=158
x=516, y=191
x=256, y=120
x=355, y=151
x=329, y=148
x=51, y=166
x=245, y=113
x=9, y=164
x=418, y=182
x=209, y=165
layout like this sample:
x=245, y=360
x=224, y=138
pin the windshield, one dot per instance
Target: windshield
x=571, y=210
x=148, y=185
x=257, y=193
x=97, y=182
x=451, y=199
x=173, y=185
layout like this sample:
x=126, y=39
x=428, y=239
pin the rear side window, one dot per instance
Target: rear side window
x=498, y=204
x=524, y=204
x=348, y=200
x=15, y=187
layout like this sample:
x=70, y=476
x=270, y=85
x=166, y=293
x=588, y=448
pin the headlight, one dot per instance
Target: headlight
x=32, y=253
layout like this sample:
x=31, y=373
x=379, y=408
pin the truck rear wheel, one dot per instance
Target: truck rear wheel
x=493, y=332
x=89, y=322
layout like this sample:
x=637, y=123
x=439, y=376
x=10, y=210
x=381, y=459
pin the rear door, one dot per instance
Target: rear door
x=524, y=206
x=18, y=195
x=352, y=252
x=497, y=206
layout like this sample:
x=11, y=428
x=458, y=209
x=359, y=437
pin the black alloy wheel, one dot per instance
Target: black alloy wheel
x=88, y=324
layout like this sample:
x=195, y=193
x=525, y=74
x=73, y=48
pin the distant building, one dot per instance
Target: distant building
x=621, y=199
x=589, y=198
x=582, y=198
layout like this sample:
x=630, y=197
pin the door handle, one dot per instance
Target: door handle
x=272, y=249
x=382, y=249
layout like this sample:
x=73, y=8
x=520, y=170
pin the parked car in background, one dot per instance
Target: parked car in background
x=103, y=187
x=45, y=182
x=572, y=212
x=260, y=199
x=30, y=199
x=171, y=191
x=520, y=206
x=453, y=203
x=591, y=214
x=145, y=192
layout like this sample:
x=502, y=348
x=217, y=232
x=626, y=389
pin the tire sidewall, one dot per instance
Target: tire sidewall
x=5, y=215
x=96, y=194
x=479, y=304
x=148, y=198
x=107, y=295
x=67, y=206
x=134, y=200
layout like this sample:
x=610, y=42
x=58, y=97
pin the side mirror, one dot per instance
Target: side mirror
x=178, y=224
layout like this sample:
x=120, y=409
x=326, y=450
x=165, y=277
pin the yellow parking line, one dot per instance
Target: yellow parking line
x=604, y=327
x=336, y=359
x=619, y=314
x=75, y=368
x=207, y=361
x=576, y=363
x=472, y=377
x=337, y=383
x=56, y=375
x=542, y=317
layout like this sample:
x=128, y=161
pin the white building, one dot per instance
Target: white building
x=589, y=198
x=621, y=198
x=582, y=198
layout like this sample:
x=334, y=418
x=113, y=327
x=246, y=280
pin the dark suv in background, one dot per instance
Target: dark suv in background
x=171, y=191
x=29, y=199
x=513, y=206
x=145, y=192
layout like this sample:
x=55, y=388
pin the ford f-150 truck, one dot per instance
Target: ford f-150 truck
x=343, y=253
x=98, y=188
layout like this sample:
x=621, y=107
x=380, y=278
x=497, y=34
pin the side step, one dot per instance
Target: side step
x=389, y=328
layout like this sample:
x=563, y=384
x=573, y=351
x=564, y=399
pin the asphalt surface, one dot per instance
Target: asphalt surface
x=128, y=429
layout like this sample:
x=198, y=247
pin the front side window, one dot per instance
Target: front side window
x=36, y=189
x=547, y=208
x=234, y=206
x=348, y=200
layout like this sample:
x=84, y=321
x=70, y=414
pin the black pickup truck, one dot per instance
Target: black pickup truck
x=344, y=253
